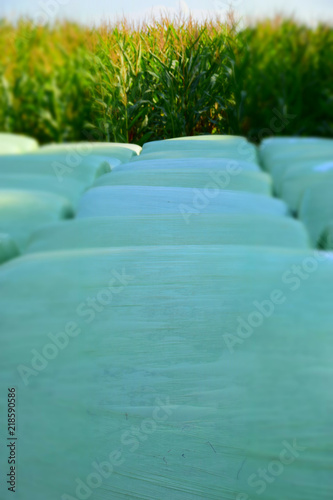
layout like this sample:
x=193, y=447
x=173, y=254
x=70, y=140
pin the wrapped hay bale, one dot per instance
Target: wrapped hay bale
x=229, y=144
x=301, y=177
x=8, y=248
x=16, y=144
x=316, y=209
x=246, y=153
x=194, y=177
x=71, y=189
x=274, y=149
x=170, y=372
x=60, y=166
x=217, y=138
x=22, y=212
x=121, y=151
x=149, y=200
x=115, y=231
x=189, y=165
x=286, y=166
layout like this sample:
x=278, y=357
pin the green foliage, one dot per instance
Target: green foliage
x=166, y=79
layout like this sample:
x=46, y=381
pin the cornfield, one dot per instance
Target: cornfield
x=165, y=79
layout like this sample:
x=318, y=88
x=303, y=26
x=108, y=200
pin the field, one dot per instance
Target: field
x=170, y=78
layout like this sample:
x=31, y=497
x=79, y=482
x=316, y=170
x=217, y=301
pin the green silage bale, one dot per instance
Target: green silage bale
x=16, y=144
x=22, y=212
x=71, y=189
x=301, y=177
x=246, y=152
x=316, y=209
x=207, y=175
x=121, y=151
x=149, y=200
x=170, y=372
x=212, y=229
x=59, y=166
x=275, y=149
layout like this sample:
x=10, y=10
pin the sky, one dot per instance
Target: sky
x=95, y=11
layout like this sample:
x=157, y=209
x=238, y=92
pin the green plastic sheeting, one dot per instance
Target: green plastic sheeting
x=298, y=179
x=138, y=373
x=222, y=139
x=22, y=212
x=189, y=165
x=202, y=177
x=248, y=153
x=282, y=169
x=209, y=229
x=68, y=188
x=60, y=166
x=234, y=144
x=275, y=149
x=8, y=248
x=122, y=151
x=236, y=147
x=15, y=144
x=316, y=209
x=146, y=200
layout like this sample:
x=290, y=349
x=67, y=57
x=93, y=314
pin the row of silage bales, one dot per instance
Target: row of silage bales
x=149, y=230
x=146, y=379
x=302, y=172
x=228, y=187
x=153, y=201
x=40, y=186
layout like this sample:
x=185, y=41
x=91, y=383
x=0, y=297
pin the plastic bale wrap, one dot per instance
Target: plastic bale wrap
x=247, y=153
x=115, y=231
x=232, y=144
x=189, y=164
x=8, y=248
x=272, y=148
x=60, y=166
x=238, y=148
x=298, y=179
x=149, y=200
x=22, y=212
x=121, y=151
x=133, y=391
x=70, y=189
x=316, y=209
x=217, y=138
x=285, y=166
x=255, y=182
x=16, y=144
